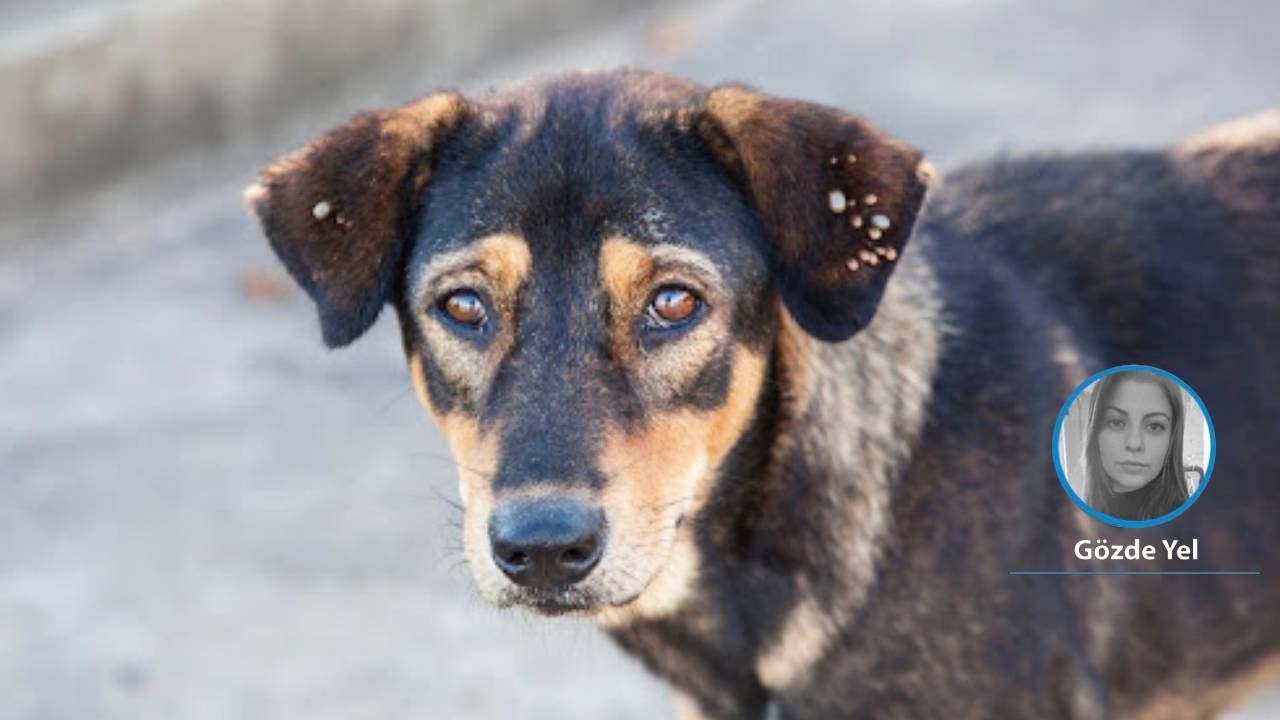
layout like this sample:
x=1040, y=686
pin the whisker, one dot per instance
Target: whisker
x=447, y=500
x=449, y=459
x=400, y=395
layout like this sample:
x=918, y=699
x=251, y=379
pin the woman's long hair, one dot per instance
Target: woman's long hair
x=1168, y=490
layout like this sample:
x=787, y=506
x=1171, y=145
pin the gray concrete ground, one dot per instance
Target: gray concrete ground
x=203, y=514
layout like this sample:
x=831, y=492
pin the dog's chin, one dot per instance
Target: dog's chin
x=554, y=602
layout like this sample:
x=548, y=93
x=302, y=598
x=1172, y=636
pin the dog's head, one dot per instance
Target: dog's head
x=588, y=273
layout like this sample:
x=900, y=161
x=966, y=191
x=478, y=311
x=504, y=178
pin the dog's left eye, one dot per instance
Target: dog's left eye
x=672, y=306
x=465, y=308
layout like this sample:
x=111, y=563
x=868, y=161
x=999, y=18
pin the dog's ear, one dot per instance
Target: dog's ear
x=340, y=211
x=836, y=198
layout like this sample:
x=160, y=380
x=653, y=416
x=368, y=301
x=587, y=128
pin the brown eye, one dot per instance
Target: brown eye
x=672, y=305
x=465, y=308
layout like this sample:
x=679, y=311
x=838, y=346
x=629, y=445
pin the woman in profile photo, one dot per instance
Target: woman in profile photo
x=1133, y=451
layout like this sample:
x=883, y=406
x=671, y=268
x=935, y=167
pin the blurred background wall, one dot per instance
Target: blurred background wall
x=94, y=90
x=203, y=514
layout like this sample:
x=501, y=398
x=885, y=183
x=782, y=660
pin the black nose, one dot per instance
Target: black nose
x=546, y=543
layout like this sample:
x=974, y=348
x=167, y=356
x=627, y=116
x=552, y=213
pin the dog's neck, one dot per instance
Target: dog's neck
x=846, y=420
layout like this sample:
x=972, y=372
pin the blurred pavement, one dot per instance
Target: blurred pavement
x=204, y=514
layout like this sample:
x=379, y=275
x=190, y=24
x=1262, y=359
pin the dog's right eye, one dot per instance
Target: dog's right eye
x=464, y=308
x=671, y=307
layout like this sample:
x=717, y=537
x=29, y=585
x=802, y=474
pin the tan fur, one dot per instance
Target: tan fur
x=686, y=708
x=505, y=258
x=405, y=124
x=254, y=195
x=500, y=262
x=668, y=589
x=1066, y=354
x=926, y=172
x=475, y=452
x=1260, y=130
x=734, y=107
x=476, y=456
x=1212, y=701
x=662, y=473
x=651, y=459
x=1226, y=159
x=419, y=381
x=801, y=642
x=625, y=269
x=403, y=129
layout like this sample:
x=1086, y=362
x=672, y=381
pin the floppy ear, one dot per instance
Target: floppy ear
x=836, y=197
x=340, y=212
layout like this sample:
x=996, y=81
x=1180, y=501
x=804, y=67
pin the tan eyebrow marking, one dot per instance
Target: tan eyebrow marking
x=625, y=269
x=502, y=257
x=672, y=257
x=625, y=262
x=625, y=266
x=506, y=258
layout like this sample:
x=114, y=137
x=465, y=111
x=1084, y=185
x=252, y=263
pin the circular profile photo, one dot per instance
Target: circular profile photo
x=1133, y=446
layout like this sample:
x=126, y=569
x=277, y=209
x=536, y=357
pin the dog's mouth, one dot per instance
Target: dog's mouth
x=553, y=602
x=601, y=592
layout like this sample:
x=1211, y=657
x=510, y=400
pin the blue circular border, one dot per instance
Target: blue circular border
x=1062, y=476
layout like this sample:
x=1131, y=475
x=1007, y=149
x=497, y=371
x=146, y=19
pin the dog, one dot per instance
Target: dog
x=703, y=392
